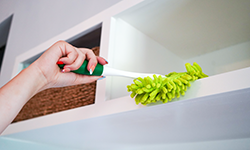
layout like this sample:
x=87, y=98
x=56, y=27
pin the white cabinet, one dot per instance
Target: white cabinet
x=159, y=36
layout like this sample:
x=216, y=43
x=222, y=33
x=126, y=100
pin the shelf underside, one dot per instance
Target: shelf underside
x=191, y=28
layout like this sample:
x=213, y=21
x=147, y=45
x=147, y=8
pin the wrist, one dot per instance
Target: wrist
x=38, y=77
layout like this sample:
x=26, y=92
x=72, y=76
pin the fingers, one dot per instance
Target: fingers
x=70, y=57
x=101, y=60
x=91, y=57
x=93, y=62
x=74, y=57
x=73, y=60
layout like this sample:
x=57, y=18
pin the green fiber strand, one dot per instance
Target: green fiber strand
x=189, y=69
x=158, y=97
x=170, y=87
x=150, y=80
x=138, y=83
x=153, y=84
x=139, y=91
x=148, y=86
x=165, y=100
x=160, y=79
x=171, y=74
x=185, y=88
x=183, y=80
x=188, y=84
x=158, y=85
x=152, y=98
x=147, y=90
x=196, y=70
x=177, y=94
x=165, y=81
x=138, y=98
x=178, y=88
x=178, y=82
x=141, y=79
x=153, y=94
x=133, y=86
x=148, y=101
x=147, y=80
x=155, y=79
x=194, y=78
x=132, y=95
x=169, y=95
x=164, y=90
x=204, y=75
x=145, y=97
x=173, y=93
x=186, y=77
x=129, y=88
x=173, y=84
x=197, y=66
x=163, y=96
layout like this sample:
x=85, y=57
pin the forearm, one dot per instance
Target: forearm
x=17, y=92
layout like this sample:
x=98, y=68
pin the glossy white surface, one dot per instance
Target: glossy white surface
x=220, y=121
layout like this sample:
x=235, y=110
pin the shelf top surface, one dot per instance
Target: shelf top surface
x=217, y=117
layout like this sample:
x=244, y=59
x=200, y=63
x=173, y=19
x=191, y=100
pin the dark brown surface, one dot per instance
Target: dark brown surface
x=58, y=99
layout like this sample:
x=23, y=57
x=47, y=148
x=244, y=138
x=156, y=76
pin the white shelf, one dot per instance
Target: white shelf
x=220, y=121
x=161, y=36
x=130, y=41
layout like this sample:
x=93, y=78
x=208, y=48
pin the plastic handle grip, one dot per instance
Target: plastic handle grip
x=83, y=69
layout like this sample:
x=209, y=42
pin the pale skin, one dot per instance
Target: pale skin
x=44, y=73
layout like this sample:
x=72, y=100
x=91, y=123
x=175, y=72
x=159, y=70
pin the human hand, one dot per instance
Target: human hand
x=73, y=58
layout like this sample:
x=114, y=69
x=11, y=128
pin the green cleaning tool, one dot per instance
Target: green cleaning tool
x=150, y=90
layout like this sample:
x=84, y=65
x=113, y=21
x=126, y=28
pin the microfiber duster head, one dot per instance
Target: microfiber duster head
x=147, y=90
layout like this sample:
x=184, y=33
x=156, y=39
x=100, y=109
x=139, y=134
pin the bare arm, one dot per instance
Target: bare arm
x=17, y=92
x=42, y=74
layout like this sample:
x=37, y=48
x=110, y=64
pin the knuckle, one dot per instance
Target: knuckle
x=60, y=42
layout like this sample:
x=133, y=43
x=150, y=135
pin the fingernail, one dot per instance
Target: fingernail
x=101, y=78
x=106, y=60
x=65, y=70
x=59, y=63
x=91, y=69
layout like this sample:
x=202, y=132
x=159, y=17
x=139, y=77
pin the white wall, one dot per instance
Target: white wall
x=34, y=22
x=224, y=60
x=132, y=50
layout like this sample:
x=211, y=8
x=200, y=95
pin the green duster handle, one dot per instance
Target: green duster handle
x=83, y=69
